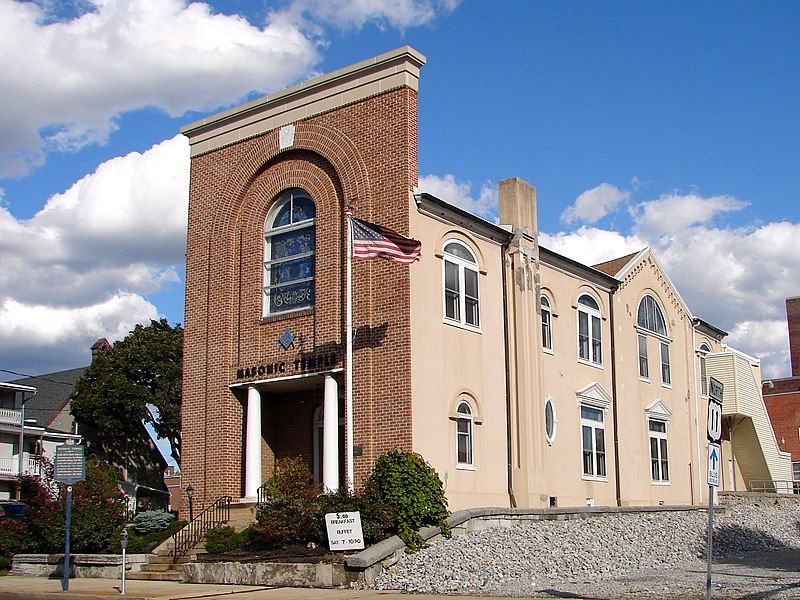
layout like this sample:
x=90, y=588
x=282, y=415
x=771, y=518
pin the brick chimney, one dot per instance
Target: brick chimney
x=99, y=346
x=793, y=318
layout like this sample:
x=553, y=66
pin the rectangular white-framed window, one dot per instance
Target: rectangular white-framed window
x=796, y=477
x=644, y=371
x=593, y=442
x=666, y=375
x=659, y=460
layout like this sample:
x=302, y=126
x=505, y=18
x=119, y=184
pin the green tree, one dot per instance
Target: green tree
x=121, y=385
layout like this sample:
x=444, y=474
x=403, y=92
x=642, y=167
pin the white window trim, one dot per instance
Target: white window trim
x=640, y=337
x=658, y=436
x=590, y=312
x=550, y=438
x=657, y=411
x=593, y=396
x=549, y=310
x=594, y=425
x=462, y=265
x=267, y=262
x=466, y=466
x=661, y=346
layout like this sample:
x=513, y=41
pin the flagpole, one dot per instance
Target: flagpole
x=348, y=383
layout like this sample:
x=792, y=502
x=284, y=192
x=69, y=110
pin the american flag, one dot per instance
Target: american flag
x=371, y=241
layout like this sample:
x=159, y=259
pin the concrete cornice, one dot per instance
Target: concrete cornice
x=367, y=78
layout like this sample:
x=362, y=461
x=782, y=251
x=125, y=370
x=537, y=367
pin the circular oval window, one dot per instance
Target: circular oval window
x=549, y=420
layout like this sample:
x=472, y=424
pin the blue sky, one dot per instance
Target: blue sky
x=674, y=125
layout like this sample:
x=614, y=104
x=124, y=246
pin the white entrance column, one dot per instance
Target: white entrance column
x=330, y=436
x=252, y=456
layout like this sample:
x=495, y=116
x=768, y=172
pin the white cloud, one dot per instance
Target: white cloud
x=673, y=213
x=768, y=339
x=459, y=193
x=594, y=204
x=121, y=228
x=590, y=245
x=733, y=277
x=27, y=332
x=354, y=14
x=77, y=270
x=64, y=83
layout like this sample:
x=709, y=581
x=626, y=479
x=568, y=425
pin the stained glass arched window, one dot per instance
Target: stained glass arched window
x=289, y=254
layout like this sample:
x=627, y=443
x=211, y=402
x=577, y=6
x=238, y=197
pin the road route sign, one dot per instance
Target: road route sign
x=714, y=411
x=714, y=460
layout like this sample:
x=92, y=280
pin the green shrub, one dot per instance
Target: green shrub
x=149, y=521
x=287, y=517
x=225, y=539
x=412, y=488
x=12, y=541
x=292, y=482
x=98, y=509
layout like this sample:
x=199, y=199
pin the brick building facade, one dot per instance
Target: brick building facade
x=782, y=395
x=492, y=357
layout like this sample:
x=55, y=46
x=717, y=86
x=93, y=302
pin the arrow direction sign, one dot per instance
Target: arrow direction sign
x=714, y=456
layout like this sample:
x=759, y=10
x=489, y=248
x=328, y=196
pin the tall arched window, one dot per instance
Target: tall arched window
x=589, y=331
x=289, y=254
x=547, y=324
x=464, y=436
x=650, y=322
x=460, y=285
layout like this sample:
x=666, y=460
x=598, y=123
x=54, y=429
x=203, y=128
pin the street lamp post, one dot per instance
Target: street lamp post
x=189, y=494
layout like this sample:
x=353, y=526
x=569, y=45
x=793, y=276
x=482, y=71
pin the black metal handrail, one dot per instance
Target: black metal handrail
x=213, y=516
x=261, y=495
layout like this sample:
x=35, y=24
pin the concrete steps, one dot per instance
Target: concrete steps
x=159, y=565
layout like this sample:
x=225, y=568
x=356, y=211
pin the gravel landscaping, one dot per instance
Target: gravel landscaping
x=642, y=555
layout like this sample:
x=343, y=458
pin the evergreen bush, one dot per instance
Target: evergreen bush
x=149, y=521
x=225, y=539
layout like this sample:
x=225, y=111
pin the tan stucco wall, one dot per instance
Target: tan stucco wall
x=450, y=361
x=559, y=465
x=635, y=394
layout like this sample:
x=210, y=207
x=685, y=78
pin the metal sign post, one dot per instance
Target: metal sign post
x=70, y=468
x=714, y=431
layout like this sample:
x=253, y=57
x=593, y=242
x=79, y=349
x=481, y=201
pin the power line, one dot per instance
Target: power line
x=37, y=377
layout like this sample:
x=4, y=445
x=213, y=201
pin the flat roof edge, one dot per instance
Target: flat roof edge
x=345, y=79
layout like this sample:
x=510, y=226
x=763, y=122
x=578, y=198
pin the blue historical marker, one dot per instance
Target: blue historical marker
x=70, y=468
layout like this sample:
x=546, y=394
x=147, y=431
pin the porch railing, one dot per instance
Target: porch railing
x=9, y=466
x=9, y=416
x=774, y=486
x=215, y=515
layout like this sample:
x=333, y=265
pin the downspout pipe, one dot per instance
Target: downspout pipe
x=614, y=415
x=509, y=436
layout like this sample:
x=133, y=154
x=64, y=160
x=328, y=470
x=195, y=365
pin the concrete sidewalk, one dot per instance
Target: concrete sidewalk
x=41, y=588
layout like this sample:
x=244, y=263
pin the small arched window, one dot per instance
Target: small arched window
x=460, y=285
x=547, y=324
x=464, y=422
x=289, y=254
x=589, y=330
